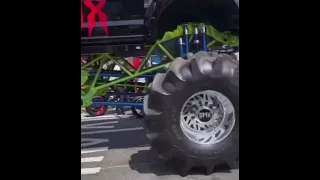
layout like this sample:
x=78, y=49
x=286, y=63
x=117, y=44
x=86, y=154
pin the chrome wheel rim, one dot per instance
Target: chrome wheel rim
x=207, y=117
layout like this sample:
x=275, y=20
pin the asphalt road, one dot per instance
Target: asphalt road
x=116, y=147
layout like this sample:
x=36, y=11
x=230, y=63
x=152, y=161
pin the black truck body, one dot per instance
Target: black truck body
x=120, y=26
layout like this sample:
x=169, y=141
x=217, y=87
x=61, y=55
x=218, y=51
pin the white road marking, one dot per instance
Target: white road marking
x=127, y=165
x=112, y=130
x=95, y=170
x=93, y=150
x=85, y=171
x=105, y=117
x=98, y=125
x=92, y=141
x=101, y=123
x=92, y=159
x=99, y=118
x=105, y=126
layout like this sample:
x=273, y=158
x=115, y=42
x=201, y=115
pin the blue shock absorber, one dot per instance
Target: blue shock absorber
x=204, y=38
x=181, y=47
x=186, y=37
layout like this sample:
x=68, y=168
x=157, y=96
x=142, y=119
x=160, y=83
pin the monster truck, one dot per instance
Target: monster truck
x=192, y=104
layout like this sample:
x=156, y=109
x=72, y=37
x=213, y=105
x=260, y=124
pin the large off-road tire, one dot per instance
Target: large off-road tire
x=202, y=91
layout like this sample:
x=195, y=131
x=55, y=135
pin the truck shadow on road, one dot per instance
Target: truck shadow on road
x=160, y=168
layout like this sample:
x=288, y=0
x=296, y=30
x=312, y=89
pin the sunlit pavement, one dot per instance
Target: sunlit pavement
x=116, y=147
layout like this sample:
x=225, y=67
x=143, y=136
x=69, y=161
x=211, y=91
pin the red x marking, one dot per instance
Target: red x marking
x=95, y=10
x=82, y=20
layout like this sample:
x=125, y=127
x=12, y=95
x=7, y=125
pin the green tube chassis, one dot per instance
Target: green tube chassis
x=92, y=86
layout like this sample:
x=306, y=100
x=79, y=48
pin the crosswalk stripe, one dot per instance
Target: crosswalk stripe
x=92, y=141
x=90, y=164
x=112, y=130
x=105, y=117
x=99, y=125
x=90, y=170
x=92, y=159
x=99, y=118
x=93, y=150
